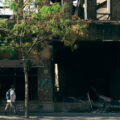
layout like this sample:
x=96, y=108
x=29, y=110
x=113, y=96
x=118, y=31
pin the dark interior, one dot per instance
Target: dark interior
x=15, y=76
x=94, y=67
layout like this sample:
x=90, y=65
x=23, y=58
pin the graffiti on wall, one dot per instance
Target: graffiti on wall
x=44, y=84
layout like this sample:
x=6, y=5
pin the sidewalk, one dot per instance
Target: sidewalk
x=62, y=116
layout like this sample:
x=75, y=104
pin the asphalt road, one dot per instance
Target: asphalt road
x=63, y=116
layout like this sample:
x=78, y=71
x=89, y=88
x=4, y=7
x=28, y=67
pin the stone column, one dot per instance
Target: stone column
x=45, y=85
x=91, y=9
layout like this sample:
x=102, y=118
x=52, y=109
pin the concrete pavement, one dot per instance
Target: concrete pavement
x=63, y=116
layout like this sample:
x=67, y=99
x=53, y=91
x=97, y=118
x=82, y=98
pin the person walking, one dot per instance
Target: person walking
x=11, y=97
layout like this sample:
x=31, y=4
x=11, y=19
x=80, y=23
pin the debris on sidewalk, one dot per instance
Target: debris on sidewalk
x=104, y=103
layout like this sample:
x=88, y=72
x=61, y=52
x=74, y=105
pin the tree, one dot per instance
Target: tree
x=48, y=24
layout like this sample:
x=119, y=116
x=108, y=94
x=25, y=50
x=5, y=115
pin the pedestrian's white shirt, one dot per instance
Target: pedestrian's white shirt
x=12, y=92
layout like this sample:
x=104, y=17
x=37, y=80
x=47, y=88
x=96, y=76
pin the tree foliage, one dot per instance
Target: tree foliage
x=45, y=25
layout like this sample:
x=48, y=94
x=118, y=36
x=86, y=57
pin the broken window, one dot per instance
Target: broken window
x=103, y=9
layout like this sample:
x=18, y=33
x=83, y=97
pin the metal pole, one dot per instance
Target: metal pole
x=85, y=10
x=109, y=7
x=62, y=2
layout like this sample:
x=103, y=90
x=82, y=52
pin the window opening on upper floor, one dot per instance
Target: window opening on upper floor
x=103, y=9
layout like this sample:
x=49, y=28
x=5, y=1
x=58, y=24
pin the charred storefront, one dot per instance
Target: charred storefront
x=90, y=73
x=93, y=66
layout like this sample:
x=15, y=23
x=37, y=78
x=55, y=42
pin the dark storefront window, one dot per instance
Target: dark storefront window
x=15, y=76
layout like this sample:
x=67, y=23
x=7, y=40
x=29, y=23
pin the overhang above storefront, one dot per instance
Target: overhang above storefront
x=6, y=63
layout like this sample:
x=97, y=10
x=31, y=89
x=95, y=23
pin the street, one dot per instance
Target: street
x=64, y=116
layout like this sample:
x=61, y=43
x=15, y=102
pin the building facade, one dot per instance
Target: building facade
x=62, y=80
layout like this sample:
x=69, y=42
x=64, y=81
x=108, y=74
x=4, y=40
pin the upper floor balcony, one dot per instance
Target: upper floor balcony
x=103, y=10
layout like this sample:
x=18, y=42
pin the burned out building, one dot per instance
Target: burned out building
x=94, y=67
x=65, y=80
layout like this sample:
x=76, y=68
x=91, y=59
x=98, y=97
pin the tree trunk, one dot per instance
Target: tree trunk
x=26, y=90
x=68, y=8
